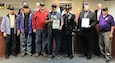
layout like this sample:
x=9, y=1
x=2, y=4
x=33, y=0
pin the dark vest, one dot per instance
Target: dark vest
x=26, y=22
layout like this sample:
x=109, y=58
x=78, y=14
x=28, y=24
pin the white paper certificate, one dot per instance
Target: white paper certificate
x=85, y=22
x=56, y=24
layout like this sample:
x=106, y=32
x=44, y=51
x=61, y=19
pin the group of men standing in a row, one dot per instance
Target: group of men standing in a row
x=47, y=26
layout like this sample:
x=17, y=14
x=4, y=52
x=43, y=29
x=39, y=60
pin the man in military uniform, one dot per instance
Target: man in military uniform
x=69, y=20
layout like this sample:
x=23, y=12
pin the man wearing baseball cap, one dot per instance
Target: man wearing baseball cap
x=8, y=27
x=106, y=30
x=54, y=33
x=24, y=29
x=39, y=27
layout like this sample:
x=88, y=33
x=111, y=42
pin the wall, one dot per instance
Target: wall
x=75, y=4
x=31, y=3
x=109, y=4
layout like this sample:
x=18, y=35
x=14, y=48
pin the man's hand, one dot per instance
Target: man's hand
x=111, y=35
x=88, y=26
x=60, y=28
x=18, y=32
x=78, y=29
x=4, y=34
x=48, y=21
x=34, y=30
x=73, y=33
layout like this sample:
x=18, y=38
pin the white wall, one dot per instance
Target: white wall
x=75, y=4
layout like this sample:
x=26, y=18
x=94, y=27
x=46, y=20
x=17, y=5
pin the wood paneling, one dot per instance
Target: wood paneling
x=1, y=45
x=113, y=46
x=2, y=48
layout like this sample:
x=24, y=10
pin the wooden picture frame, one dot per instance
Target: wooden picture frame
x=8, y=5
x=2, y=6
x=16, y=6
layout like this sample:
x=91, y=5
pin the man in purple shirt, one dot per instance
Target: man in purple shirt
x=106, y=28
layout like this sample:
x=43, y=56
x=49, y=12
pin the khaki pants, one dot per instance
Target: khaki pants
x=105, y=44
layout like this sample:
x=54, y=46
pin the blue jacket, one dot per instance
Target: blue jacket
x=5, y=25
x=20, y=23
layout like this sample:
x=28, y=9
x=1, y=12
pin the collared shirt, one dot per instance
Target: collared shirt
x=86, y=13
x=38, y=21
x=106, y=22
x=12, y=20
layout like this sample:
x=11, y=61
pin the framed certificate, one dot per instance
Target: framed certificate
x=85, y=22
x=56, y=24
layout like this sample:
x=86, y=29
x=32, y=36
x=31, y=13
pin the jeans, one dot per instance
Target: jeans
x=26, y=43
x=41, y=41
x=55, y=35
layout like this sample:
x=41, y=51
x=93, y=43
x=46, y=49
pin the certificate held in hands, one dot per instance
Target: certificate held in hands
x=85, y=22
x=56, y=24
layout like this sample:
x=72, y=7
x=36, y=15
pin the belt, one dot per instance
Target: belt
x=104, y=30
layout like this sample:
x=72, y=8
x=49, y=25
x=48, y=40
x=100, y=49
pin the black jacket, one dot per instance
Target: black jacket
x=69, y=23
x=91, y=15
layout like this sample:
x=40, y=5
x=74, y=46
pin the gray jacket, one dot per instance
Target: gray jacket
x=49, y=25
x=5, y=25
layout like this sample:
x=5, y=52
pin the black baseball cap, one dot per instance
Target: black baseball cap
x=54, y=5
x=104, y=9
x=11, y=8
x=68, y=7
x=25, y=6
x=42, y=4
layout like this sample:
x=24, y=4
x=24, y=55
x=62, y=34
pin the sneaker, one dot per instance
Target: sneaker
x=23, y=54
x=30, y=54
x=37, y=54
x=44, y=54
x=110, y=58
x=66, y=56
x=107, y=60
x=71, y=57
x=50, y=57
x=58, y=56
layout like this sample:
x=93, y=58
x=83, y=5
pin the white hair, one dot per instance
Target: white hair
x=37, y=3
x=99, y=4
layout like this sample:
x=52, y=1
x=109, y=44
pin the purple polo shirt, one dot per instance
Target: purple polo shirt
x=105, y=23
